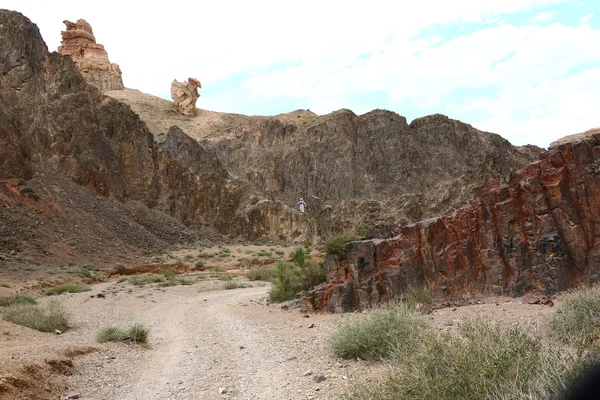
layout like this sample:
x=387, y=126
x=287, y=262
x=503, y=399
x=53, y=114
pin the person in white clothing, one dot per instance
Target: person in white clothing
x=301, y=204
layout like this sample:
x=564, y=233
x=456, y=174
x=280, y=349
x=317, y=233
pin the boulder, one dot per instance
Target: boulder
x=185, y=94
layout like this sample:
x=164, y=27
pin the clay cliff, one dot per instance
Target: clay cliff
x=91, y=59
x=535, y=230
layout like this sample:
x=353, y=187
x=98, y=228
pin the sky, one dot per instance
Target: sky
x=528, y=70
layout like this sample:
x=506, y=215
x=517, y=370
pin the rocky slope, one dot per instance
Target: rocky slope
x=218, y=173
x=370, y=173
x=536, y=230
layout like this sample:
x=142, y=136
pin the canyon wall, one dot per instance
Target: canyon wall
x=538, y=229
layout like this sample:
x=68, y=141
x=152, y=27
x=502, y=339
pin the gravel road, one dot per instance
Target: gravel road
x=207, y=344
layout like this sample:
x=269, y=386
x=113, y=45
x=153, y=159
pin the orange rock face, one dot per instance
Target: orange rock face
x=185, y=95
x=90, y=58
x=539, y=229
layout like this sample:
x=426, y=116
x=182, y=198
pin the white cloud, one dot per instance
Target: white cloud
x=326, y=41
x=586, y=19
x=542, y=16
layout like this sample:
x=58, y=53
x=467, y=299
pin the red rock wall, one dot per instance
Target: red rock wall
x=537, y=229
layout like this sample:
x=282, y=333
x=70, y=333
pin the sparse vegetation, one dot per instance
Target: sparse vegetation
x=481, y=359
x=291, y=279
x=226, y=278
x=119, y=267
x=46, y=318
x=261, y=273
x=337, y=244
x=234, y=285
x=5, y=285
x=218, y=269
x=391, y=331
x=577, y=322
x=16, y=298
x=255, y=199
x=136, y=333
x=145, y=280
x=68, y=288
x=199, y=264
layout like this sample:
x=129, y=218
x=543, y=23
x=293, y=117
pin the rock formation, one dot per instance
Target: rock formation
x=368, y=174
x=185, y=94
x=90, y=58
x=536, y=230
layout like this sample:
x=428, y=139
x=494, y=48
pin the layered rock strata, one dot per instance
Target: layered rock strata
x=539, y=229
x=91, y=59
x=185, y=95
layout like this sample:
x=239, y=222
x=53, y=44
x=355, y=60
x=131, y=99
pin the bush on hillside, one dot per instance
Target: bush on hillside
x=337, y=244
x=46, y=318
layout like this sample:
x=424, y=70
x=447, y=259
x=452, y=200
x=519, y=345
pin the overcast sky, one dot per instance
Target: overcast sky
x=526, y=69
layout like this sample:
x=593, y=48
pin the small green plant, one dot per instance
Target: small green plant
x=255, y=199
x=145, y=280
x=218, y=269
x=16, y=298
x=226, y=278
x=199, y=264
x=189, y=257
x=48, y=318
x=119, y=267
x=383, y=334
x=261, y=273
x=234, y=285
x=337, y=244
x=136, y=333
x=204, y=243
x=68, y=288
x=286, y=283
x=5, y=285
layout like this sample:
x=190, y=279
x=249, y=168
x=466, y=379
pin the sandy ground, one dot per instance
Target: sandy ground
x=205, y=343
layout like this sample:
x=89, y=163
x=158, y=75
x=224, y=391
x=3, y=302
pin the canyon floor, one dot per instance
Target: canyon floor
x=206, y=342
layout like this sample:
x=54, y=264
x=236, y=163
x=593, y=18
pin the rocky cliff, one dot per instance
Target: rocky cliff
x=535, y=230
x=231, y=174
x=53, y=122
x=369, y=174
x=91, y=59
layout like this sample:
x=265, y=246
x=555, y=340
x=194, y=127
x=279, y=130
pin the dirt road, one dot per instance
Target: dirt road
x=205, y=343
x=225, y=344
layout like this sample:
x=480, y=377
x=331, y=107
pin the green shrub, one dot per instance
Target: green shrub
x=261, y=273
x=337, y=244
x=119, y=267
x=16, y=298
x=199, y=264
x=481, y=360
x=299, y=256
x=46, y=318
x=414, y=295
x=145, y=280
x=226, y=278
x=254, y=200
x=291, y=279
x=383, y=334
x=577, y=321
x=136, y=333
x=233, y=285
x=286, y=282
x=68, y=288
